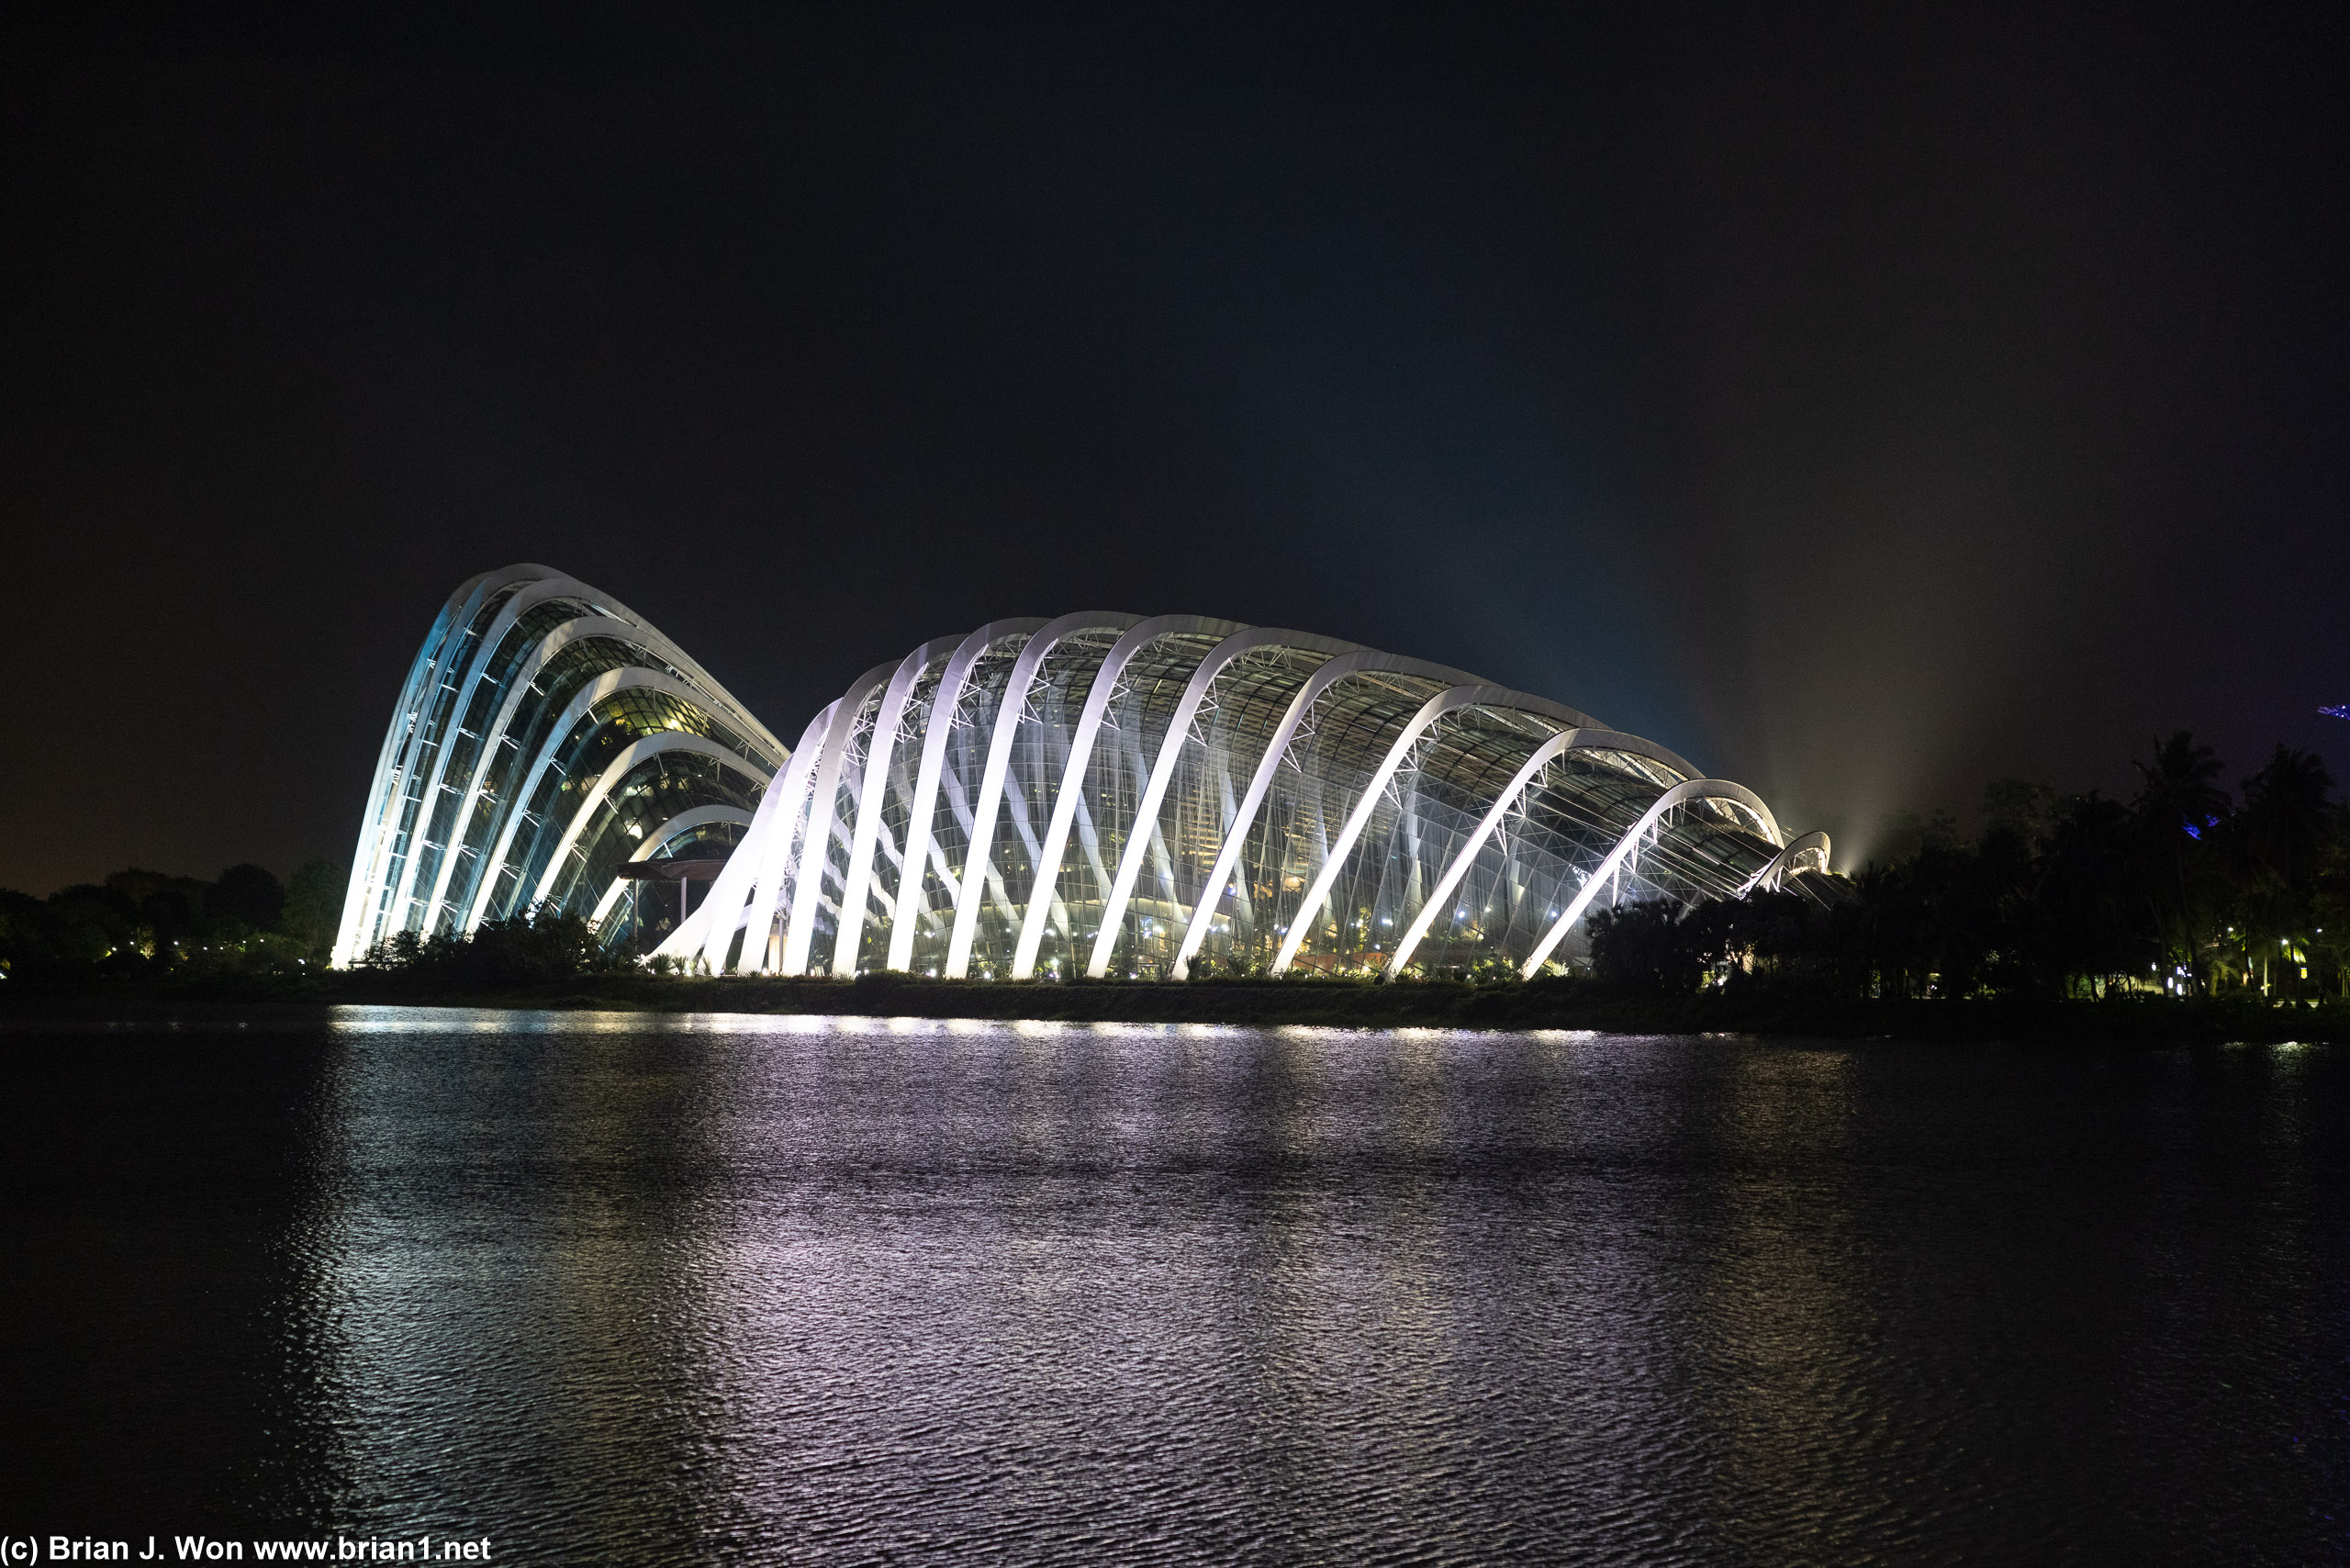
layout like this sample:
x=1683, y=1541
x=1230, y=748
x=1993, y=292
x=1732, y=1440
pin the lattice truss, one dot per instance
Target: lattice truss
x=1108, y=795
x=544, y=735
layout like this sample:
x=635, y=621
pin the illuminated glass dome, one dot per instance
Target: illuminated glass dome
x=546, y=734
x=1097, y=795
x=1109, y=795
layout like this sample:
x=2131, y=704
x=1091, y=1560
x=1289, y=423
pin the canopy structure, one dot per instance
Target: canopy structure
x=546, y=734
x=1100, y=794
x=1171, y=795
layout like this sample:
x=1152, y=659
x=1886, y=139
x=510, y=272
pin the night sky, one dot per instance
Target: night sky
x=1863, y=402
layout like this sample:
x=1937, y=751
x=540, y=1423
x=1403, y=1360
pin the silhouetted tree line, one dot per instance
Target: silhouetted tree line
x=541, y=944
x=138, y=923
x=2183, y=890
x=143, y=924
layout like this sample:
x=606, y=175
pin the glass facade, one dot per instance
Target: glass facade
x=1099, y=795
x=545, y=734
x=1177, y=797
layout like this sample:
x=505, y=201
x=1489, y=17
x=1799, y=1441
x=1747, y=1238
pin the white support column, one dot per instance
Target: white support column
x=752, y=869
x=396, y=763
x=365, y=854
x=1162, y=772
x=1781, y=864
x=693, y=817
x=925, y=805
x=1558, y=745
x=991, y=797
x=1680, y=794
x=808, y=883
x=1361, y=662
x=581, y=703
x=1080, y=757
x=873, y=797
x=632, y=753
x=1334, y=860
x=554, y=642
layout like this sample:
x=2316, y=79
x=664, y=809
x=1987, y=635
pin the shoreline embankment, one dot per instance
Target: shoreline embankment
x=1537, y=1004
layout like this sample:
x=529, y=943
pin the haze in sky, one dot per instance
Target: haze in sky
x=1866, y=402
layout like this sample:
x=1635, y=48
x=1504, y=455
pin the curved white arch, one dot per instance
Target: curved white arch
x=808, y=881
x=991, y=796
x=755, y=865
x=1558, y=745
x=406, y=735
x=578, y=629
x=692, y=817
x=1450, y=701
x=1170, y=748
x=1080, y=757
x=528, y=597
x=925, y=805
x=364, y=854
x=872, y=794
x=635, y=752
x=1680, y=794
x=1781, y=864
x=394, y=763
x=1363, y=661
x=595, y=691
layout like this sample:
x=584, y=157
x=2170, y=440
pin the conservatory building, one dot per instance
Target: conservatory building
x=1101, y=794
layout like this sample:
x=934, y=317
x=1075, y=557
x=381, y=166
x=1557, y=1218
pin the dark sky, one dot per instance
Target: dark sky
x=1866, y=402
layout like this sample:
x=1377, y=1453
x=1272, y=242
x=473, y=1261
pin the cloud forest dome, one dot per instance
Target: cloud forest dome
x=545, y=734
x=1105, y=794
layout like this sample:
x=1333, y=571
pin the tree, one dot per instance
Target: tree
x=313, y=910
x=246, y=898
x=2028, y=811
x=2093, y=920
x=543, y=944
x=2279, y=846
x=2181, y=801
x=1653, y=948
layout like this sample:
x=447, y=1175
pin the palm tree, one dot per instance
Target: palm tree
x=2181, y=801
x=2286, y=820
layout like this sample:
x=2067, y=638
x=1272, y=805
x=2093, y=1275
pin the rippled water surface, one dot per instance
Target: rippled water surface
x=609, y=1288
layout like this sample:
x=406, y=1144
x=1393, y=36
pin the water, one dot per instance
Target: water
x=604, y=1288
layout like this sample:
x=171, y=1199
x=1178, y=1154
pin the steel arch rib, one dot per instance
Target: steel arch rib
x=692, y=817
x=579, y=629
x=1776, y=873
x=400, y=742
x=363, y=856
x=809, y=877
x=1363, y=661
x=1170, y=750
x=999, y=757
x=554, y=586
x=595, y=691
x=1680, y=794
x=631, y=755
x=925, y=805
x=1549, y=751
x=1450, y=701
x=757, y=860
x=532, y=593
x=1080, y=757
x=872, y=796
x=407, y=731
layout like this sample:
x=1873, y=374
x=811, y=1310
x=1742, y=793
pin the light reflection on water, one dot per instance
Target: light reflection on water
x=718, y=1287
